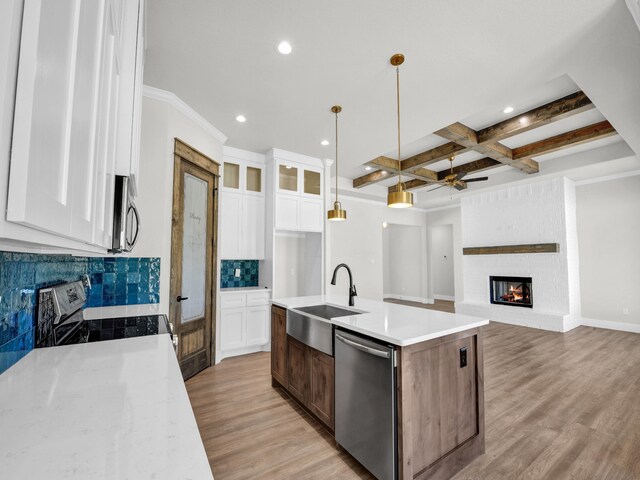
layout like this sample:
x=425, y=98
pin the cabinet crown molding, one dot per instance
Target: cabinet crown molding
x=176, y=102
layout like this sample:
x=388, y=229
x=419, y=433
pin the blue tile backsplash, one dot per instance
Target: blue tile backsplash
x=249, y=273
x=115, y=281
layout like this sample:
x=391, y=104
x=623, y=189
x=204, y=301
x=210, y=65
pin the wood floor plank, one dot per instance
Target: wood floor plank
x=557, y=406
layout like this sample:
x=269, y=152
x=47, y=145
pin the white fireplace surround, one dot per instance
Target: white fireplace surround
x=539, y=212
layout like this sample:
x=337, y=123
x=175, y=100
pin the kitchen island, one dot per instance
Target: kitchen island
x=108, y=410
x=437, y=380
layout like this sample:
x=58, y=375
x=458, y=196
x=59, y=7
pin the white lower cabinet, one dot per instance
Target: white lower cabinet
x=257, y=322
x=244, y=322
x=232, y=329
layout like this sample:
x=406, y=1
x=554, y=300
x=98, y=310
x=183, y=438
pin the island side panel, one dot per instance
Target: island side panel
x=440, y=406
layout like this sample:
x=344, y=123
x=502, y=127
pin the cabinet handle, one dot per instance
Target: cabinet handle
x=179, y=299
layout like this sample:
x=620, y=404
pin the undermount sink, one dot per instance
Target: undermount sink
x=327, y=311
x=312, y=326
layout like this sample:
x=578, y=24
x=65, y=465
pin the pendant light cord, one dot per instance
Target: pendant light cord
x=398, y=112
x=336, y=156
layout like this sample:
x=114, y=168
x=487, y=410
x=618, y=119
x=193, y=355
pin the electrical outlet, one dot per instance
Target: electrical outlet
x=237, y=274
x=463, y=357
x=625, y=311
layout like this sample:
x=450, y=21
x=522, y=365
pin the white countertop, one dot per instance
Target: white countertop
x=106, y=410
x=93, y=313
x=397, y=324
x=244, y=289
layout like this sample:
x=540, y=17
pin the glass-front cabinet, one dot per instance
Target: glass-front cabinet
x=242, y=177
x=299, y=179
x=299, y=196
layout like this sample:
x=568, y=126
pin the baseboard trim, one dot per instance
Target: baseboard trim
x=609, y=325
x=408, y=298
x=448, y=298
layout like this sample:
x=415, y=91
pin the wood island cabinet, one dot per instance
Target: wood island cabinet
x=279, y=345
x=321, y=383
x=297, y=369
x=306, y=373
x=440, y=396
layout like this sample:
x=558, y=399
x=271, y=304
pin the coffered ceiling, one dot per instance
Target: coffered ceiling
x=465, y=62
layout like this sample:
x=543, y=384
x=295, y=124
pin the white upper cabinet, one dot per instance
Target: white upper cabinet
x=242, y=206
x=299, y=199
x=69, y=115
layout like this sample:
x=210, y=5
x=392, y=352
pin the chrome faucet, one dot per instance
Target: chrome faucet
x=352, y=287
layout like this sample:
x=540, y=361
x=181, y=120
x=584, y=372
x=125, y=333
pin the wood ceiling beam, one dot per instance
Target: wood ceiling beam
x=434, y=155
x=410, y=185
x=551, y=112
x=565, y=140
x=371, y=178
x=467, y=137
x=389, y=167
x=471, y=167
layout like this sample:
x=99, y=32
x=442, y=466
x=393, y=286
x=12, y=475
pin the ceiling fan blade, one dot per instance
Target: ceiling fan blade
x=479, y=179
x=460, y=186
x=438, y=187
x=460, y=175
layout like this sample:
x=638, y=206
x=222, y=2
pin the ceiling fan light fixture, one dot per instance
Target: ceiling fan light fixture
x=400, y=198
x=337, y=214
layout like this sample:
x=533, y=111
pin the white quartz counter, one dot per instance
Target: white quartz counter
x=397, y=324
x=106, y=410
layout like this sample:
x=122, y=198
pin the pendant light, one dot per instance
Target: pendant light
x=400, y=198
x=337, y=214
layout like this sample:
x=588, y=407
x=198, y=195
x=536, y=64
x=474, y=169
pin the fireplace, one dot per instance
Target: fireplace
x=513, y=291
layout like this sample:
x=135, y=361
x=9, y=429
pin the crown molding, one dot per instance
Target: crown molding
x=175, y=101
x=607, y=178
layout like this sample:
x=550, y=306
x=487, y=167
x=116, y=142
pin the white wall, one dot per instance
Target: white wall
x=442, y=217
x=609, y=234
x=161, y=124
x=290, y=272
x=404, y=262
x=442, y=262
x=358, y=243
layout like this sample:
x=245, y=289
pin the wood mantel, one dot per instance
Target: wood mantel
x=505, y=249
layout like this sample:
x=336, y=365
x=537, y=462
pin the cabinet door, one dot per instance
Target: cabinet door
x=253, y=230
x=232, y=329
x=321, y=386
x=312, y=183
x=279, y=345
x=41, y=175
x=311, y=214
x=257, y=326
x=297, y=369
x=287, y=211
x=230, y=219
x=106, y=136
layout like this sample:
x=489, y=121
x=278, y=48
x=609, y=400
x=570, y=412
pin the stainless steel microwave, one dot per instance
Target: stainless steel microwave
x=126, y=219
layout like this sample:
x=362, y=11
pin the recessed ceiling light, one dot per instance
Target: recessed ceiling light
x=241, y=118
x=385, y=224
x=284, y=47
x=324, y=143
x=367, y=168
x=507, y=110
x=288, y=167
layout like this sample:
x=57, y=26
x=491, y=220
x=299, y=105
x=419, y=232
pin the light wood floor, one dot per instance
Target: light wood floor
x=558, y=406
x=440, y=305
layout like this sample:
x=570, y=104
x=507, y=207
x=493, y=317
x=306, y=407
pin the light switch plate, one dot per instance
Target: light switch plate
x=237, y=274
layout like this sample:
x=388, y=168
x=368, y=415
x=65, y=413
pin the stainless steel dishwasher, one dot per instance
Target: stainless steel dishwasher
x=365, y=406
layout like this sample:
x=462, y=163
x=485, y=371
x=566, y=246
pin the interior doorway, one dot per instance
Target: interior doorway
x=193, y=256
x=404, y=266
x=442, y=279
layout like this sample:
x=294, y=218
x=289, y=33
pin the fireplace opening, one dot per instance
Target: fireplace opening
x=513, y=291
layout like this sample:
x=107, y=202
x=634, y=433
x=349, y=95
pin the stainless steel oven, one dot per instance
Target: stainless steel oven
x=126, y=219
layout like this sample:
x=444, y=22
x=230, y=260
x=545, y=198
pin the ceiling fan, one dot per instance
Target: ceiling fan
x=455, y=180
